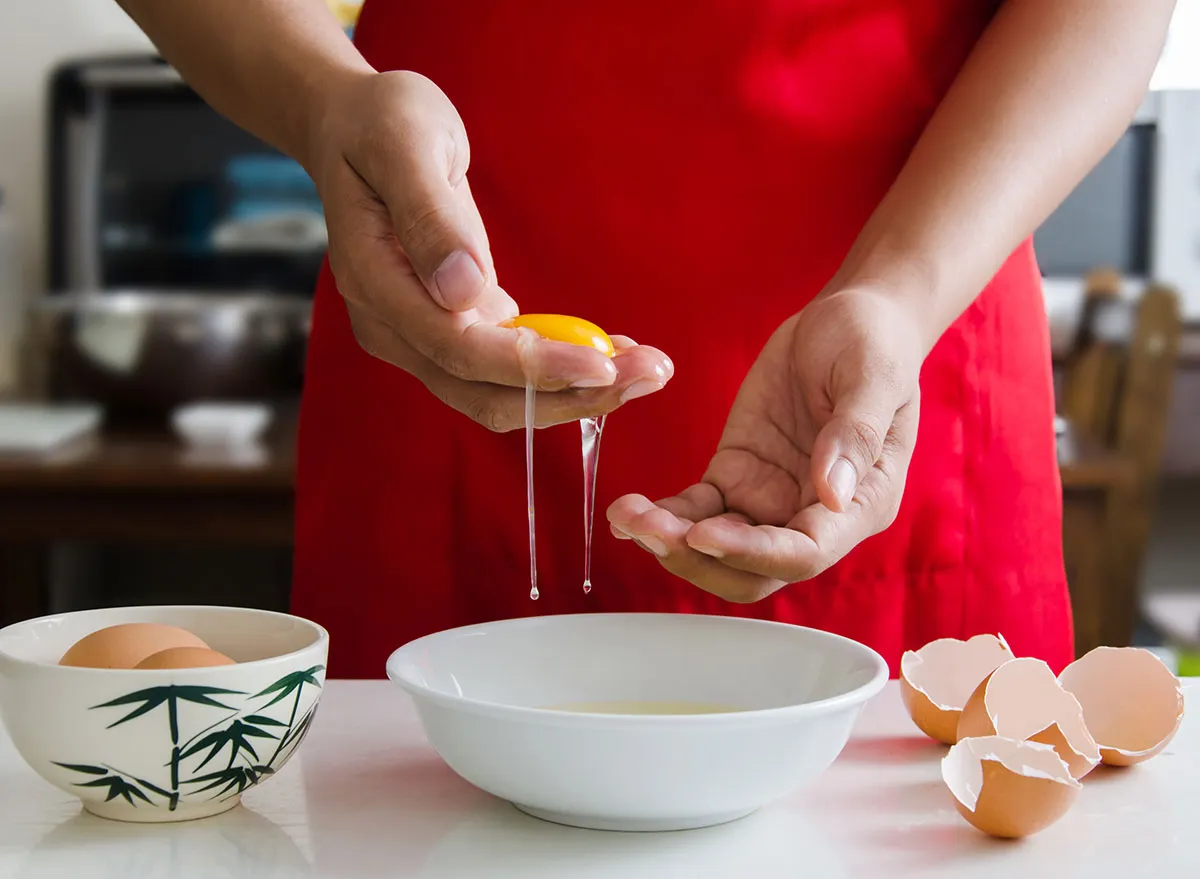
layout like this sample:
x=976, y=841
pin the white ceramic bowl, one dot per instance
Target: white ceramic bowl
x=207, y=425
x=154, y=746
x=489, y=697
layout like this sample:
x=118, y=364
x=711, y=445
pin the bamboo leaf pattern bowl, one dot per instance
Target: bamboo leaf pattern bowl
x=162, y=745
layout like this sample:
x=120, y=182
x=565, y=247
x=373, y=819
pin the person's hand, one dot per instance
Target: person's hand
x=813, y=458
x=411, y=258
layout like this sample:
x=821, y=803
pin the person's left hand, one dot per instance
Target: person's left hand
x=813, y=458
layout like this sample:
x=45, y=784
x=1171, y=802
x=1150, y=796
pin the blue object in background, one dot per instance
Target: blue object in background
x=264, y=184
x=268, y=172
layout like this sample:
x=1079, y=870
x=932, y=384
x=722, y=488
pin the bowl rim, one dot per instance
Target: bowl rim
x=321, y=642
x=783, y=713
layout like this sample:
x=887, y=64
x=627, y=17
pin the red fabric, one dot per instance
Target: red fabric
x=689, y=179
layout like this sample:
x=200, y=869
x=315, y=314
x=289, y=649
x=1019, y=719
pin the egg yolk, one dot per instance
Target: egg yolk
x=564, y=328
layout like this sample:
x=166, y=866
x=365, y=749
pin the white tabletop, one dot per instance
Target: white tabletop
x=367, y=797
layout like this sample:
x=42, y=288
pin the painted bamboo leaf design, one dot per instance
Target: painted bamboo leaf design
x=118, y=787
x=233, y=735
x=236, y=737
x=295, y=736
x=232, y=781
x=119, y=784
x=282, y=688
x=170, y=695
x=291, y=683
x=263, y=720
x=80, y=767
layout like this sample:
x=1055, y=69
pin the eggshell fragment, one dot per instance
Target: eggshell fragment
x=125, y=645
x=1022, y=700
x=937, y=680
x=185, y=657
x=1132, y=703
x=1008, y=788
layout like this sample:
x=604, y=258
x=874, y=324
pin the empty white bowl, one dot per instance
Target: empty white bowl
x=491, y=700
x=158, y=745
x=208, y=425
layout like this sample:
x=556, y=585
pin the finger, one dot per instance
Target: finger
x=696, y=502
x=418, y=167
x=817, y=537
x=850, y=443
x=787, y=554
x=624, y=511
x=664, y=535
x=641, y=371
x=496, y=407
x=373, y=273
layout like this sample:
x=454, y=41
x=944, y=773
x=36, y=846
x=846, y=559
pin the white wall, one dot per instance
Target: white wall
x=34, y=36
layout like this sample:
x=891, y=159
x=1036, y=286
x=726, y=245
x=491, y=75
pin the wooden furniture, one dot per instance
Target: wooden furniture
x=137, y=486
x=1090, y=474
x=1116, y=398
x=1181, y=456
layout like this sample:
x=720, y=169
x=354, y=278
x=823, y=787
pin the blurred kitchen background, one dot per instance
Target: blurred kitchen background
x=156, y=268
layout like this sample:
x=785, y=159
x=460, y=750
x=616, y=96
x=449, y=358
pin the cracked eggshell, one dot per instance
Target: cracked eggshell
x=937, y=680
x=1022, y=700
x=1008, y=788
x=1132, y=703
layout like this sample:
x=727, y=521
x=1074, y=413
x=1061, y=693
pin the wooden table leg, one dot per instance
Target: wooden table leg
x=1084, y=552
x=24, y=589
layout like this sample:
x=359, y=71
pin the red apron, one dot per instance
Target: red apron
x=689, y=179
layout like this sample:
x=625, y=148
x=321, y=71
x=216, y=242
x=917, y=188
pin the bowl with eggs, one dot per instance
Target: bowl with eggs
x=157, y=714
x=638, y=721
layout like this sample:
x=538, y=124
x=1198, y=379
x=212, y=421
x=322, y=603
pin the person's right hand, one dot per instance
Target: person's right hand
x=411, y=258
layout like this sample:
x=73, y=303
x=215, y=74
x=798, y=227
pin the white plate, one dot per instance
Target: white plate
x=32, y=427
x=487, y=696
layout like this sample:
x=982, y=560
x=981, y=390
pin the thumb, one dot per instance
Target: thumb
x=851, y=442
x=436, y=222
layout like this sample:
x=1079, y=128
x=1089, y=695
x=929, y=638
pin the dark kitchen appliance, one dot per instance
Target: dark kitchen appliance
x=150, y=187
x=206, y=240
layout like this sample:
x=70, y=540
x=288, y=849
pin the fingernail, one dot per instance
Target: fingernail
x=457, y=282
x=652, y=544
x=620, y=533
x=843, y=480
x=710, y=551
x=640, y=389
x=664, y=370
x=592, y=383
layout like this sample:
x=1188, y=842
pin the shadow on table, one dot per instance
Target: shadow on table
x=240, y=842
x=887, y=750
x=413, y=817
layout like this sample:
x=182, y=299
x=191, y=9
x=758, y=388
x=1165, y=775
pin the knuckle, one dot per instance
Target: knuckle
x=450, y=359
x=882, y=500
x=866, y=439
x=484, y=411
x=423, y=228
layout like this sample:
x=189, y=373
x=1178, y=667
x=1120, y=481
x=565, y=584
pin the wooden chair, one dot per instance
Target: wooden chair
x=1116, y=392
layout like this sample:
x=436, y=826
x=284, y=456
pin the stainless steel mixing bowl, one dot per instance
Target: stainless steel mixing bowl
x=150, y=351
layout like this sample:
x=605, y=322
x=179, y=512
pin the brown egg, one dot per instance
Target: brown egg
x=1022, y=700
x=126, y=645
x=1008, y=788
x=185, y=657
x=937, y=680
x=1132, y=703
